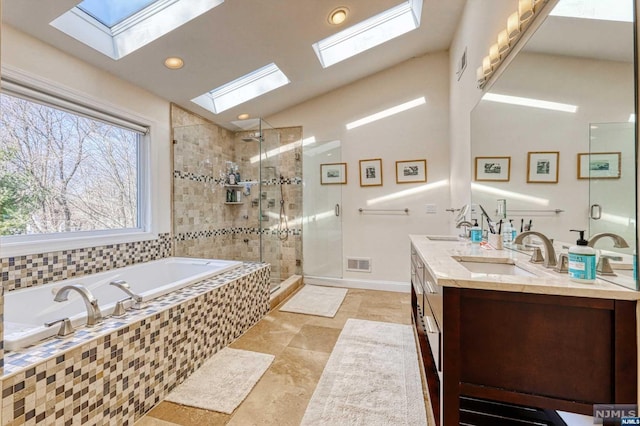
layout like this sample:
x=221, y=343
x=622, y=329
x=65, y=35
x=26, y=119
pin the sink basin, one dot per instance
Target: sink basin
x=443, y=238
x=504, y=268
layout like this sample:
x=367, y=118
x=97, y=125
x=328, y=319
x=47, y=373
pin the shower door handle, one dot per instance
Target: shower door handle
x=337, y=210
x=596, y=212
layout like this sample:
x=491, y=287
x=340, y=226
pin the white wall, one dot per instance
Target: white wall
x=422, y=132
x=478, y=29
x=34, y=58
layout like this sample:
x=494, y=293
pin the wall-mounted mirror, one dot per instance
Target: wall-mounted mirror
x=563, y=114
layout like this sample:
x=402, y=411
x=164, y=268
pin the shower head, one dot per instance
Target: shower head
x=253, y=137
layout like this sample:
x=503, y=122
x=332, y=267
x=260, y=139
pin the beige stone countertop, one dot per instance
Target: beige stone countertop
x=442, y=259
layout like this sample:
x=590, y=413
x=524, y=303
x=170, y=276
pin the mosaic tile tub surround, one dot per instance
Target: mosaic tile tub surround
x=114, y=373
x=38, y=269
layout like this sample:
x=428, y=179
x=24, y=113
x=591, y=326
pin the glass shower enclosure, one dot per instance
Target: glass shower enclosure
x=229, y=201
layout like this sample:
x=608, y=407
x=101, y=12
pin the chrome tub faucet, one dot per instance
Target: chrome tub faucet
x=124, y=286
x=94, y=316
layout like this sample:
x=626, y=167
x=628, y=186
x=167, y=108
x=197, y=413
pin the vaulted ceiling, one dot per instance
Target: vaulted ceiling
x=240, y=36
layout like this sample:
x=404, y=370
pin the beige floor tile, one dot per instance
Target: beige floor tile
x=152, y=421
x=315, y=338
x=282, y=394
x=302, y=345
x=187, y=416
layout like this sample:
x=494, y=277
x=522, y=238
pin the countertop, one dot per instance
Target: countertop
x=441, y=259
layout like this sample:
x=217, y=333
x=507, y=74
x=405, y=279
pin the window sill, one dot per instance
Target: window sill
x=23, y=248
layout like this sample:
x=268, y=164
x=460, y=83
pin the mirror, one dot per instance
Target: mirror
x=569, y=92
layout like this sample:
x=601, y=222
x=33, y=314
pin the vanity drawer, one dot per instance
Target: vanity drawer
x=434, y=335
x=433, y=296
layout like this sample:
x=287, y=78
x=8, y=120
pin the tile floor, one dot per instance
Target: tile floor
x=302, y=345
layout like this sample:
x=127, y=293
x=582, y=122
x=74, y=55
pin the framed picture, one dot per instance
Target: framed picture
x=371, y=172
x=333, y=173
x=411, y=171
x=542, y=167
x=599, y=165
x=496, y=169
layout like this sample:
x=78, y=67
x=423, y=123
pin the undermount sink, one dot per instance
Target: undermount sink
x=442, y=238
x=491, y=267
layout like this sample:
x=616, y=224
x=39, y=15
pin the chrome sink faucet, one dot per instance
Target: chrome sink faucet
x=124, y=286
x=94, y=316
x=466, y=224
x=549, y=252
x=618, y=241
x=604, y=267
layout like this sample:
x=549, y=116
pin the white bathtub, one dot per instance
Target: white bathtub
x=26, y=311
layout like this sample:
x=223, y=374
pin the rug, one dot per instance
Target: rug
x=316, y=300
x=223, y=381
x=371, y=378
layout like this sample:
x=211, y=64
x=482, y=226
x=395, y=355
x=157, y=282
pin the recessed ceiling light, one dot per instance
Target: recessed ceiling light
x=338, y=15
x=243, y=116
x=173, y=63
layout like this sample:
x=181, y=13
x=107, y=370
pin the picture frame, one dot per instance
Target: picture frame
x=543, y=166
x=371, y=172
x=492, y=169
x=599, y=165
x=333, y=174
x=411, y=171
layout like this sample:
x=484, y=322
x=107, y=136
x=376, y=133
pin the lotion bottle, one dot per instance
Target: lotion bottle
x=507, y=233
x=582, y=261
x=514, y=231
x=476, y=232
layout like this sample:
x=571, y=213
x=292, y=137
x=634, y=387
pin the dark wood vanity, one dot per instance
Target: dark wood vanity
x=546, y=351
x=551, y=352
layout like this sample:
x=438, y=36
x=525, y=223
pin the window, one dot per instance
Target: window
x=63, y=171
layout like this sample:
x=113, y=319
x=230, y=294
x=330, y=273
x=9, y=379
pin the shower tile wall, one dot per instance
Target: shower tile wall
x=206, y=227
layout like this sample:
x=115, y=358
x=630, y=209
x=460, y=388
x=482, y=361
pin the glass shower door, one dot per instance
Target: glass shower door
x=322, y=205
x=610, y=168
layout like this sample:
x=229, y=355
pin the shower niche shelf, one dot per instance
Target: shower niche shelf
x=233, y=203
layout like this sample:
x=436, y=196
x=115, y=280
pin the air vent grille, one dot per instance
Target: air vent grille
x=359, y=264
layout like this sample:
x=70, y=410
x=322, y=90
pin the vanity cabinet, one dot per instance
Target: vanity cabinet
x=494, y=345
x=426, y=304
x=546, y=351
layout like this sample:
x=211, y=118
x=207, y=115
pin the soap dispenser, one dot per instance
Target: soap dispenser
x=582, y=261
x=476, y=232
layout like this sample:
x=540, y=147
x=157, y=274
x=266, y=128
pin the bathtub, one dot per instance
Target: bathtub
x=26, y=311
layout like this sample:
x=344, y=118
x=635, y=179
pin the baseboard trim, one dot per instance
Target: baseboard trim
x=396, y=286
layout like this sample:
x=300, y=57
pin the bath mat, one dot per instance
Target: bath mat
x=223, y=381
x=316, y=300
x=371, y=378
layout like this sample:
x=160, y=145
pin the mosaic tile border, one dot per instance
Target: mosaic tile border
x=122, y=371
x=187, y=236
x=178, y=174
x=38, y=269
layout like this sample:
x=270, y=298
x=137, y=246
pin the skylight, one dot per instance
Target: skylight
x=242, y=89
x=119, y=27
x=369, y=33
x=113, y=12
x=611, y=10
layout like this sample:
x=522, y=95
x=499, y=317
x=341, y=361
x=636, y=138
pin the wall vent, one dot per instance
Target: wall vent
x=462, y=64
x=359, y=264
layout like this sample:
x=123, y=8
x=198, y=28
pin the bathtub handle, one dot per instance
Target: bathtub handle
x=120, y=310
x=65, y=328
